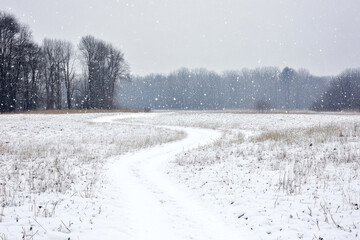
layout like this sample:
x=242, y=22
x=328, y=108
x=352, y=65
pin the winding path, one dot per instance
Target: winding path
x=144, y=203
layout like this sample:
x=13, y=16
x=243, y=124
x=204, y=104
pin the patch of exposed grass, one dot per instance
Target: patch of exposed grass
x=273, y=136
x=316, y=133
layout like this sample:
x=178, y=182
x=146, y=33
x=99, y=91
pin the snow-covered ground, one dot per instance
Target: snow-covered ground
x=52, y=170
x=180, y=175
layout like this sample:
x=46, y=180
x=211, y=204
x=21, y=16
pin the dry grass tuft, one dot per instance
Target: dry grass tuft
x=317, y=133
x=273, y=136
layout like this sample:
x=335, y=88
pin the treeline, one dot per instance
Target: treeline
x=343, y=93
x=47, y=76
x=261, y=88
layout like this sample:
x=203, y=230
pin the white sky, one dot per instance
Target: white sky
x=163, y=35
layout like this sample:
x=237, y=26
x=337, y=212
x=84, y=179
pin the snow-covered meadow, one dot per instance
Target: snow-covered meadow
x=262, y=176
x=52, y=167
x=282, y=176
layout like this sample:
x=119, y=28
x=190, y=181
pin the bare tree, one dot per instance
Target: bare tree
x=104, y=66
x=32, y=74
x=287, y=77
x=262, y=105
x=52, y=72
x=18, y=65
x=68, y=67
x=59, y=58
x=9, y=35
x=88, y=48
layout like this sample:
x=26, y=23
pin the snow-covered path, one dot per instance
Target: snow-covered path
x=142, y=202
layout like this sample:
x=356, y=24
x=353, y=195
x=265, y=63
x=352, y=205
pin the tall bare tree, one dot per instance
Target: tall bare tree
x=105, y=65
x=68, y=67
x=31, y=77
x=51, y=72
x=17, y=55
x=59, y=58
x=9, y=35
x=88, y=49
x=287, y=78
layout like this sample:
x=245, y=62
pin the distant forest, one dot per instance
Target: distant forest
x=95, y=75
x=262, y=88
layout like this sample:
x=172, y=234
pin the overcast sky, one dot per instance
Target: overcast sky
x=163, y=35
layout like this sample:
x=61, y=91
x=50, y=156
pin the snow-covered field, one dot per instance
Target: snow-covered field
x=52, y=170
x=180, y=175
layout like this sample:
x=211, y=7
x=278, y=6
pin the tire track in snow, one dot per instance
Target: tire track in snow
x=147, y=204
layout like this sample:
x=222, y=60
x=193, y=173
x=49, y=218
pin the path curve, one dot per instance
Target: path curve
x=145, y=203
